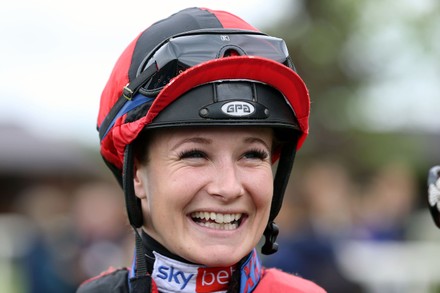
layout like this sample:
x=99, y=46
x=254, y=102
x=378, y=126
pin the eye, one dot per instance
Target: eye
x=256, y=154
x=192, y=154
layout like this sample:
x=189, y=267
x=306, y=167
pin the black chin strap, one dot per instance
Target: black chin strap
x=270, y=235
x=133, y=204
x=285, y=163
x=141, y=282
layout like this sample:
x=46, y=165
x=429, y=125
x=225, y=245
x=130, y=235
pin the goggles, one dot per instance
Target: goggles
x=178, y=53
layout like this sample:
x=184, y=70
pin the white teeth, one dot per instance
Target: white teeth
x=212, y=225
x=217, y=217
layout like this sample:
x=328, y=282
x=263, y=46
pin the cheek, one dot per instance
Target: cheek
x=168, y=195
x=261, y=187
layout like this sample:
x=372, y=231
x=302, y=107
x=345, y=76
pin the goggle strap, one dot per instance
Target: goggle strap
x=133, y=87
x=127, y=94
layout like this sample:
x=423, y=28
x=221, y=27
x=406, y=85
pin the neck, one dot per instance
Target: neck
x=172, y=273
x=150, y=245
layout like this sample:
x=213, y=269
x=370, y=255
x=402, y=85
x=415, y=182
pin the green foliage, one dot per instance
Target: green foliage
x=344, y=50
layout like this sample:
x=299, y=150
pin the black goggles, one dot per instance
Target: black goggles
x=178, y=53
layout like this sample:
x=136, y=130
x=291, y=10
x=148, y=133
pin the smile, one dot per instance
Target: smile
x=217, y=220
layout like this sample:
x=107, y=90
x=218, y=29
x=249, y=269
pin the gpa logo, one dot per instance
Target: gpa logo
x=238, y=108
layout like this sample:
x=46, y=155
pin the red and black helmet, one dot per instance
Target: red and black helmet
x=201, y=67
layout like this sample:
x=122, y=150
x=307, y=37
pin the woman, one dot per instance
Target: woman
x=196, y=111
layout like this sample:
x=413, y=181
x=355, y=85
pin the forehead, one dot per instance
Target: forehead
x=213, y=133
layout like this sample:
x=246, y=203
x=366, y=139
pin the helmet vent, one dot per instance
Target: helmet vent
x=230, y=51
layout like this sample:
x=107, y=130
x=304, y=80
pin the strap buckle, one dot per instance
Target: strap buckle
x=127, y=93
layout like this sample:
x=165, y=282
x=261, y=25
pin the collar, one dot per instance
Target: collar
x=171, y=273
x=175, y=276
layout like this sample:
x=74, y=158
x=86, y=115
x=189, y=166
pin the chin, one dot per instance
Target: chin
x=212, y=263
x=219, y=257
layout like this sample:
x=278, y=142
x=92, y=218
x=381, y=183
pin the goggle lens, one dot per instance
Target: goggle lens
x=182, y=52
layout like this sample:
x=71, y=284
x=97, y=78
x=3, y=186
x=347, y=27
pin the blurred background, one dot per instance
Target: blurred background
x=355, y=217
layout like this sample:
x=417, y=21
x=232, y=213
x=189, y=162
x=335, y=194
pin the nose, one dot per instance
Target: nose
x=226, y=182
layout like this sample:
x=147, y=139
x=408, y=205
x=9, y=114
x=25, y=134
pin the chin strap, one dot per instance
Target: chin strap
x=140, y=280
x=133, y=204
x=285, y=164
x=271, y=234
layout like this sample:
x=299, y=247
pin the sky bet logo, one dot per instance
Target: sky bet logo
x=173, y=275
x=213, y=279
x=207, y=279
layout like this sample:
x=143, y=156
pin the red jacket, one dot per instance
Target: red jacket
x=273, y=280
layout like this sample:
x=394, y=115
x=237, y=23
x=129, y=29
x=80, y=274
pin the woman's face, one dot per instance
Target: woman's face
x=206, y=193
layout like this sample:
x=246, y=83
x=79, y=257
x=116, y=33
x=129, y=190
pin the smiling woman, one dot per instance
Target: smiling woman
x=197, y=109
x=218, y=198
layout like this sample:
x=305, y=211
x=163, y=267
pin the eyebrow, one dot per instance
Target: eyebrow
x=197, y=139
x=257, y=140
x=207, y=141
